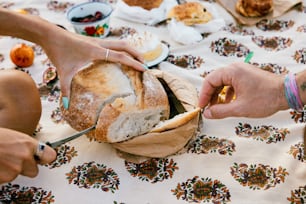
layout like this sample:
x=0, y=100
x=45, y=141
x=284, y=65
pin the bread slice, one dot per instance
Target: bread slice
x=121, y=121
x=138, y=102
x=176, y=121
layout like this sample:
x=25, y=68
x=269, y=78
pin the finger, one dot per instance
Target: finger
x=30, y=168
x=124, y=47
x=44, y=154
x=125, y=59
x=222, y=110
x=210, y=87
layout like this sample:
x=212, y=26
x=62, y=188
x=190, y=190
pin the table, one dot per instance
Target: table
x=235, y=160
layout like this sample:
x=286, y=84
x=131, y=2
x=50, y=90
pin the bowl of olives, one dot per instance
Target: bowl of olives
x=91, y=18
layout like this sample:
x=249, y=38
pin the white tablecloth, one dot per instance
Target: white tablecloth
x=235, y=160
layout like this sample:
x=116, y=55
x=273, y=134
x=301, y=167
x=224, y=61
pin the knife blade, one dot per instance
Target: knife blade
x=71, y=137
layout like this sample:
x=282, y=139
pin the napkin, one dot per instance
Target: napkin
x=140, y=15
x=192, y=34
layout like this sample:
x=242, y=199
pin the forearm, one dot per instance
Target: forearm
x=27, y=27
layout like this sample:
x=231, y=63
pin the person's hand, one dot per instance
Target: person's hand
x=17, y=152
x=69, y=52
x=258, y=93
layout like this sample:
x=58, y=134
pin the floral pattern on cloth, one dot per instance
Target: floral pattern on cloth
x=274, y=25
x=65, y=154
x=298, y=117
x=258, y=176
x=297, y=151
x=14, y=193
x=301, y=29
x=274, y=43
x=186, y=61
x=229, y=47
x=153, y=170
x=300, y=56
x=94, y=175
x=59, y=6
x=198, y=190
x=238, y=30
x=298, y=196
x=204, y=144
x=272, y=67
x=266, y=133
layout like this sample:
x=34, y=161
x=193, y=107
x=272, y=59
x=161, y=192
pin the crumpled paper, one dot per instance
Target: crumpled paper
x=192, y=34
x=140, y=15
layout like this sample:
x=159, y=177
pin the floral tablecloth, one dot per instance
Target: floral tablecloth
x=233, y=160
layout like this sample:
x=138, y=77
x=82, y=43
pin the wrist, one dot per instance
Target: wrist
x=281, y=97
x=292, y=93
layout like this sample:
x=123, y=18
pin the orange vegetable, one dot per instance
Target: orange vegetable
x=22, y=55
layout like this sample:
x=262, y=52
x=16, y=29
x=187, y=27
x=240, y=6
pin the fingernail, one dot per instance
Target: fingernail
x=207, y=113
x=65, y=102
x=145, y=66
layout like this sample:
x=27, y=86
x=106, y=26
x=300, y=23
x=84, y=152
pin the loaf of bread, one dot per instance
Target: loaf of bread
x=124, y=102
x=148, y=114
x=145, y=4
x=170, y=136
x=254, y=8
x=190, y=13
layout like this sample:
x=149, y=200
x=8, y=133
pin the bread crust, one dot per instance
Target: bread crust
x=190, y=13
x=254, y=8
x=145, y=4
x=94, y=85
x=177, y=121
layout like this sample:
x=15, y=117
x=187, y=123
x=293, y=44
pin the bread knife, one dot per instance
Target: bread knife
x=110, y=99
x=72, y=137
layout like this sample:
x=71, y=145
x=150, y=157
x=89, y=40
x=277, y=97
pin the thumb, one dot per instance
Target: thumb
x=44, y=154
x=219, y=111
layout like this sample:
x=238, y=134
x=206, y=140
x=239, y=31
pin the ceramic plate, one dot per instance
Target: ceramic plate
x=158, y=60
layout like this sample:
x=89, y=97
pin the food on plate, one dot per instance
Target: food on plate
x=133, y=109
x=190, y=13
x=147, y=43
x=89, y=18
x=22, y=55
x=145, y=4
x=254, y=8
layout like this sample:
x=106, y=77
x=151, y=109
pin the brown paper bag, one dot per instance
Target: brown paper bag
x=280, y=7
x=159, y=145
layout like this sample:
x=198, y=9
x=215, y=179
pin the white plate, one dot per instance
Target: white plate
x=158, y=60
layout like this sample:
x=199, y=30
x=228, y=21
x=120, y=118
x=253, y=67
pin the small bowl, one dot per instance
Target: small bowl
x=87, y=21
